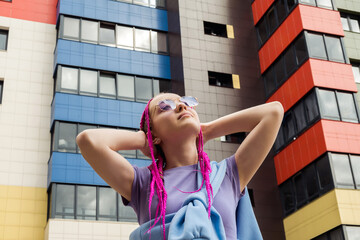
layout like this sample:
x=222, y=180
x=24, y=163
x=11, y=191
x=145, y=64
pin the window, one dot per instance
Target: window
x=88, y=82
x=142, y=40
x=125, y=37
x=1, y=90
x=69, y=79
x=67, y=136
x=345, y=22
x=3, y=39
x=301, y=49
x=347, y=107
x=159, y=42
x=279, y=68
x=289, y=126
x=316, y=45
x=290, y=61
x=71, y=28
x=324, y=3
x=153, y=3
x=324, y=173
x=234, y=138
x=86, y=206
x=311, y=182
x=309, y=2
x=334, y=50
x=300, y=190
x=107, y=204
x=215, y=29
x=328, y=105
x=220, y=79
x=355, y=165
x=350, y=22
x=281, y=10
x=89, y=31
x=107, y=34
x=107, y=85
x=272, y=19
x=356, y=72
x=287, y=197
x=342, y=171
x=300, y=116
x=333, y=234
x=269, y=79
x=291, y=4
x=64, y=201
x=141, y=2
x=311, y=107
x=143, y=88
x=125, y=213
x=262, y=31
x=352, y=232
x=125, y=87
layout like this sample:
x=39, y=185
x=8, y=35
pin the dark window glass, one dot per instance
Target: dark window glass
x=215, y=29
x=220, y=79
x=300, y=190
x=280, y=138
x=281, y=10
x=126, y=213
x=324, y=3
x=324, y=172
x=300, y=116
x=262, y=30
x=86, y=203
x=107, y=34
x=280, y=73
x=107, y=85
x=67, y=135
x=234, y=138
x=3, y=39
x=270, y=81
x=300, y=49
x=347, y=107
x=143, y=88
x=291, y=4
x=271, y=18
x=334, y=49
x=311, y=181
x=337, y=234
x=1, y=90
x=328, y=105
x=355, y=165
x=107, y=204
x=289, y=126
x=311, y=107
x=64, y=201
x=158, y=42
x=290, y=61
x=316, y=45
x=342, y=171
x=126, y=87
x=287, y=196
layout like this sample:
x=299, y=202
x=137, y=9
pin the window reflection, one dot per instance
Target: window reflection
x=125, y=37
x=107, y=204
x=89, y=31
x=142, y=39
x=71, y=28
x=328, y=105
x=316, y=45
x=64, y=201
x=69, y=79
x=342, y=171
x=143, y=89
x=67, y=135
x=88, y=82
x=107, y=85
x=334, y=50
x=86, y=203
x=107, y=34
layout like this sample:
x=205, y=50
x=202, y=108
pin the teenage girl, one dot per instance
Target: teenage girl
x=172, y=125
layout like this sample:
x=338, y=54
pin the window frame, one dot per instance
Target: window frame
x=6, y=33
x=348, y=16
x=1, y=89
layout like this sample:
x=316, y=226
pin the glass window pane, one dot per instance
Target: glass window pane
x=337, y=234
x=157, y=3
x=126, y=87
x=311, y=107
x=309, y=2
x=64, y=201
x=269, y=79
x=316, y=45
x=128, y=153
x=107, y=34
x=300, y=191
x=143, y=89
x=164, y=86
x=334, y=49
x=290, y=61
x=126, y=213
x=272, y=20
x=356, y=71
x=280, y=73
x=281, y=10
x=71, y=27
x=300, y=117
x=88, y=82
x=279, y=139
x=86, y=203
x=345, y=23
x=354, y=23
x=158, y=42
x=89, y=31
x=141, y=2
x=107, y=85
x=347, y=107
x=324, y=3
x=328, y=106
x=140, y=155
x=107, y=204
x=355, y=165
x=311, y=181
x=287, y=196
x=156, y=87
x=262, y=30
x=142, y=39
x=125, y=37
x=291, y=4
x=67, y=135
x=69, y=79
x=300, y=49
x=342, y=171
x=352, y=232
x=289, y=127
x=324, y=173
x=3, y=39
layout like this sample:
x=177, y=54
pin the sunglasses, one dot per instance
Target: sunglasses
x=168, y=104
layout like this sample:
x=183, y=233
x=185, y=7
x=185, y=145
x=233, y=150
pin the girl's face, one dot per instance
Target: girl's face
x=180, y=123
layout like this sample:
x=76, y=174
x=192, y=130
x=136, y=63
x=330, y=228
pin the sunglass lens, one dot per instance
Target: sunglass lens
x=190, y=101
x=166, y=105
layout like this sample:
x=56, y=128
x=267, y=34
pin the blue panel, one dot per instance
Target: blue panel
x=116, y=12
x=86, y=55
x=93, y=110
x=73, y=168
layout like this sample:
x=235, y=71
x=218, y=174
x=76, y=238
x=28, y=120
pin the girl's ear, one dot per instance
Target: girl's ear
x=157, y=141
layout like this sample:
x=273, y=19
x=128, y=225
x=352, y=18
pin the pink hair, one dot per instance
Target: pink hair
x=156, y=169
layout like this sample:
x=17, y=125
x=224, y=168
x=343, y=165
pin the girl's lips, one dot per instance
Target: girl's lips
x=184, y=115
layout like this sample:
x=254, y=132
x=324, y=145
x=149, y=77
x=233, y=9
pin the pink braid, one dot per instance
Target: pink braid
x=156, y=169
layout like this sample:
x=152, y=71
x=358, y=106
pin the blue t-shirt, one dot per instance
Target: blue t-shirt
x=185, y=179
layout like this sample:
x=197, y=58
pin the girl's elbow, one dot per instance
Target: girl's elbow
x=278, y=109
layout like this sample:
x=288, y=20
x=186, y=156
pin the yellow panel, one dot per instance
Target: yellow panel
x=349, y=206
x=11, y=232
x=230, y=31
x=313, y=219
x=236, y=81
x=26, y=232
x=12, y=219
x=14, y=205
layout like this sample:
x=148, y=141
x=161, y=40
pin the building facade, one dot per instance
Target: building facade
x=67, y=66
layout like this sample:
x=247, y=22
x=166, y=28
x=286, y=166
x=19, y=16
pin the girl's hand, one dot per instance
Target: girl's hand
x=146, y=149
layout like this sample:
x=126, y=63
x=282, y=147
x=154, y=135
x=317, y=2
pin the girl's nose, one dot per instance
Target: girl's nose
x=180, y=106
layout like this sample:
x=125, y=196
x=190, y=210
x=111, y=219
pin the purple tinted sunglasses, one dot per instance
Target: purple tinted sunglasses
x=168, y=104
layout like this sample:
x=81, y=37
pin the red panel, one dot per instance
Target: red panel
x=324, y=136
x=314, y=72
x=35, y=10
x=302, y=18
x=259, y=7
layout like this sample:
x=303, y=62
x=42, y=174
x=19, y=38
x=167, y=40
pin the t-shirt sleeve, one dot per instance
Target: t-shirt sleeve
x=232, y=170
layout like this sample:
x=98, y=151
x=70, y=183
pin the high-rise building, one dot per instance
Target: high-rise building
x=71, y=65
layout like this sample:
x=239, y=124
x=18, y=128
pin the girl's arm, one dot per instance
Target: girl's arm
x=263, y=123
x=99, y=148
